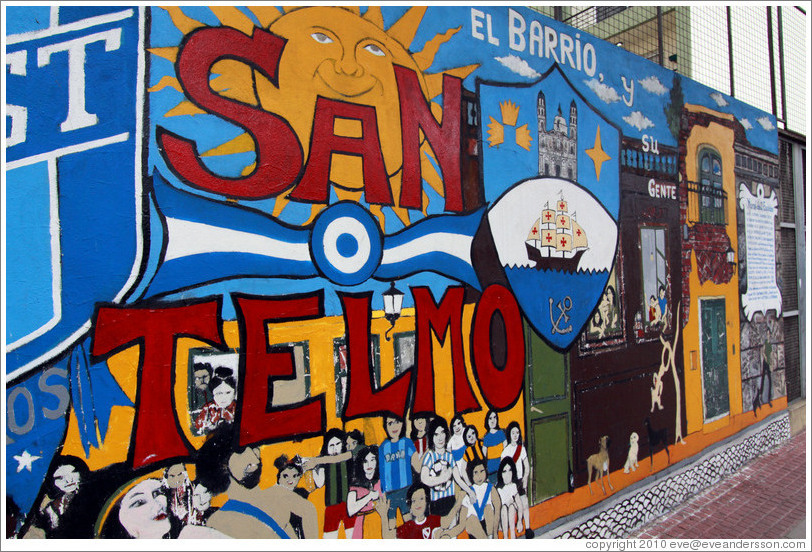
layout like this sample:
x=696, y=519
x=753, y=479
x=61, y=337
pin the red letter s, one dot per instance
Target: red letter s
x=278, y=154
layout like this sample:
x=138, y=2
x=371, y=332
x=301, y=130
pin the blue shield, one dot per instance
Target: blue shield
x=551, y=173
x=73, y=177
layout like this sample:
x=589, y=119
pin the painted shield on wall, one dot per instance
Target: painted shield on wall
x=73, y=176
x=555, y=228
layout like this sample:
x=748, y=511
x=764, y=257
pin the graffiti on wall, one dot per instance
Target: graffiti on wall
x=358, y=272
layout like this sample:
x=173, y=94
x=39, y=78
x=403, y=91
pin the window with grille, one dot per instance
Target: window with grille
x=605, y=12
x=788, y=269
x=711, y=194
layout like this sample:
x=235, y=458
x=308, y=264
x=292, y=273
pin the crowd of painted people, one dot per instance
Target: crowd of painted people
x=436, y=482
x=441, y=480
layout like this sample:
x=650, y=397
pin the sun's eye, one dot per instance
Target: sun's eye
x=321, y=38
x=374, y=49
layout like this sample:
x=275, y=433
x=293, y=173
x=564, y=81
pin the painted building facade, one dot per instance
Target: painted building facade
x=281, y=272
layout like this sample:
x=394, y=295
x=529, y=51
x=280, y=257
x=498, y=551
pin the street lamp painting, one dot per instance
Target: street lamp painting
x=392, y=303
x=731, y=255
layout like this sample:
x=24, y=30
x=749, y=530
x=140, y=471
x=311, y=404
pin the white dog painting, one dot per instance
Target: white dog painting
x=631, y=459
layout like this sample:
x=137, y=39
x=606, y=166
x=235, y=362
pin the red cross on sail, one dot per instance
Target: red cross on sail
x=556, y=240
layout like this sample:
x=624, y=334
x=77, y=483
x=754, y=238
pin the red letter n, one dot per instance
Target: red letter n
x=444, y=138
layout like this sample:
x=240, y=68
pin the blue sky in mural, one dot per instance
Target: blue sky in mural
x=605, y=88
x=632, y=98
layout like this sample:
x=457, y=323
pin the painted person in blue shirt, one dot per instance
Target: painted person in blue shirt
x=397, y=456
x=494, y=442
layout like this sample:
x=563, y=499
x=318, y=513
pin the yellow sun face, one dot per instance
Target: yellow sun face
x=335, y=53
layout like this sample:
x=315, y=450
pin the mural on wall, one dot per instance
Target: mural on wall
x=763, y=363
x=759, y=214
x=334, y=272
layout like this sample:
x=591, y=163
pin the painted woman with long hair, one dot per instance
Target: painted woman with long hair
x=508, y=488
x=494, y=442
x=516, y=450
x=365, y=488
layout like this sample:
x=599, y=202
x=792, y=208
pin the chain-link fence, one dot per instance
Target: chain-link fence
x=758, y=54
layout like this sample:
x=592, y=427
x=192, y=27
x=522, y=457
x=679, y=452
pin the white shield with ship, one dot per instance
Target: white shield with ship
x=555, y=229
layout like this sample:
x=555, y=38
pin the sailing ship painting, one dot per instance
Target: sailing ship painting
x=556, y=241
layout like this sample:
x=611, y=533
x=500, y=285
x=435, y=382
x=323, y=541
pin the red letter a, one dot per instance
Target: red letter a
x=314, y=186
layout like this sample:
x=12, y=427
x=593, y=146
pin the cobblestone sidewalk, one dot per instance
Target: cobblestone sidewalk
x=766, y=499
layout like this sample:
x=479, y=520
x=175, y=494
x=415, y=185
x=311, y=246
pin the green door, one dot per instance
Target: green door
x=714, y=358
x=550, y=457
x=547, y=407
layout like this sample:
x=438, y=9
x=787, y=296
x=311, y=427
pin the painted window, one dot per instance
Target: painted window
x=711, y=194
x=404, y=351
x=207, y=364
x=655, y=311
x=605, y=327
x=213, y=386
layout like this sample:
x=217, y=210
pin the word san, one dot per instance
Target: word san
x=538, y=40
x=280, y=163
x=156, y=329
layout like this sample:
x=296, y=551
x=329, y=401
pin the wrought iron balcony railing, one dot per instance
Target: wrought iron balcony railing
x=706, y=203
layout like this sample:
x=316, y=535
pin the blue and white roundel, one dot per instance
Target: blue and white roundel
x=346, y=244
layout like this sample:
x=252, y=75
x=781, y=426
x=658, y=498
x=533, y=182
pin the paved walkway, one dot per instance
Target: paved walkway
x=766, y=499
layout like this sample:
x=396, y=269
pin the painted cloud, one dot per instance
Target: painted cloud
x=719, y=99
x=519, y=66
x=765, y=123
x=746, y=124
x=652, y=84
x=638, y=120
x=603, y=91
